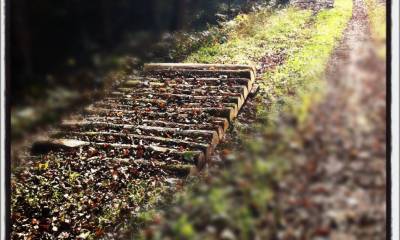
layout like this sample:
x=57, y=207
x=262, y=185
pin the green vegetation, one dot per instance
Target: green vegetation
x=298, y=81
x=233, y=203
x=305, y=41
x=251, y=37
x=377, y=19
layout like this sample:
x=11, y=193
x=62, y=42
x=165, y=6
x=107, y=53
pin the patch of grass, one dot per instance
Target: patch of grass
x=297, y=83
x=377, y=20
x=256, y=35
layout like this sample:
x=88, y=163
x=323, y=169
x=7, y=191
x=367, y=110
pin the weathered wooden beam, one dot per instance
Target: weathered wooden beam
x=194, y=66
x=226, y=112
x=168, y=81
x=209, y=136
x=203, y=69
x=214, y=124
x=174, y=98
x=124, y=138
x=42, y=147
x=136, y=116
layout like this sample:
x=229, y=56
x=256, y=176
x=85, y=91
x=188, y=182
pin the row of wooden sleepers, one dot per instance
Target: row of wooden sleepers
x=174, y=115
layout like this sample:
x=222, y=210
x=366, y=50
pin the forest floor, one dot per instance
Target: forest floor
x=305, y=160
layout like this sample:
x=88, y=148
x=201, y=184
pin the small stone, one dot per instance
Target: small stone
x=228, y=235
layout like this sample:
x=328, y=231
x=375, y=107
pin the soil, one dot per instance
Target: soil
x=337, y=187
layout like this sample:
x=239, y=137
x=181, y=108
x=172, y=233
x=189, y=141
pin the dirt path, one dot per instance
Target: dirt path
x=337, y=189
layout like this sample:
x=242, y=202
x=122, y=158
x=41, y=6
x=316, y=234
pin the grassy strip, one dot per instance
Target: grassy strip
x=297, y=83
x=377, y=19
x=256, y=35
x=235, y=201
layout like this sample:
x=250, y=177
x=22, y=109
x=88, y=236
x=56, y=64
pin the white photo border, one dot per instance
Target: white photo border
x=395, y=41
